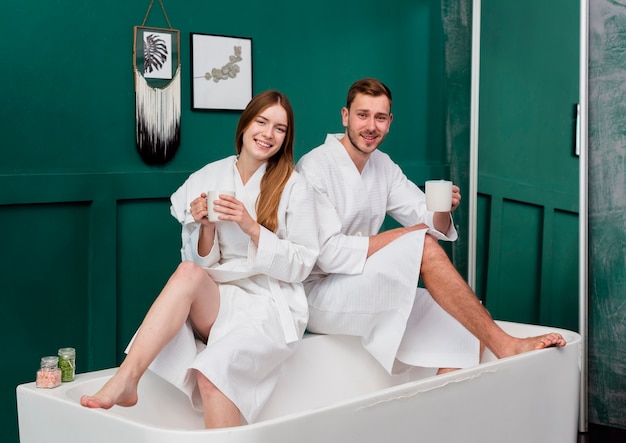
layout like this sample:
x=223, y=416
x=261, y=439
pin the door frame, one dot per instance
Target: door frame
x=582, y=143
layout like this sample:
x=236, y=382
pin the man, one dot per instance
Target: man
x=365, y=282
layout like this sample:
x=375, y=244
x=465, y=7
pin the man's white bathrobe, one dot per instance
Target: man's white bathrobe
x=377, y=298
x=263, y=307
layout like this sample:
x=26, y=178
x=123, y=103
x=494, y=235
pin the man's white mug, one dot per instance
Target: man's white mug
x=439, y=195
x=211, y=196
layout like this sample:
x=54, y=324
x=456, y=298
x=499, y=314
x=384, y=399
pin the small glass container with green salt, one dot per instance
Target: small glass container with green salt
x=67, y=363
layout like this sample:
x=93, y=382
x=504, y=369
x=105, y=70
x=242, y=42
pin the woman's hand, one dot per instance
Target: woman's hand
x=199, y=210
x=231, y=209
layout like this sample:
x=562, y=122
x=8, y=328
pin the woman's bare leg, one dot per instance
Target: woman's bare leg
x=189, y=293
x=219, y=411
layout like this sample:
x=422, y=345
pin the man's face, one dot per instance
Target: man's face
x=367, y=122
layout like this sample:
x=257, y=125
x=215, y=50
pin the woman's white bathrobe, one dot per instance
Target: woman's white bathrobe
x=377, y=298
x=263, y=308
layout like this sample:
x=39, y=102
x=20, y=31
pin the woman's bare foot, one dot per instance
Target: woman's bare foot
x=116, y=391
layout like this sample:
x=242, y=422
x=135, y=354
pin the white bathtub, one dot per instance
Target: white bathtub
x=334, y=392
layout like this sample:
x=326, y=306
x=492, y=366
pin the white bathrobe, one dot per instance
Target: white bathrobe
x=377, y=298
x=263, y=307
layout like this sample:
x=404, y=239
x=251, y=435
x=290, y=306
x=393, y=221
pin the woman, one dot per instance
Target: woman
x=234, y=308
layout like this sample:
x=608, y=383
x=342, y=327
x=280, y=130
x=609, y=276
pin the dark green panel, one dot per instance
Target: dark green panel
x=607, y=214
x=44, y=275
x=557, y=266
x=456, y=15
x=529, y=87
x=148, y=246
x=483, y=209
x=530, y=193
x=607, y=317
x=515, y=296
x=562, y=280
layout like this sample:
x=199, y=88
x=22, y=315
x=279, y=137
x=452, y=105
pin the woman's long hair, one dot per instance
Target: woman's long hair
x=279, y=166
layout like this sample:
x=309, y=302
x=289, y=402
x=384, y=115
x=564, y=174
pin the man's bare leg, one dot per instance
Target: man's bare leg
x=441, y=371
x=453, y=294
x=189, y=293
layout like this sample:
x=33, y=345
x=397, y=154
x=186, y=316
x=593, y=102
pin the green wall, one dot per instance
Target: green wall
x=87, y=239
x=527, y=216
x=68, y=105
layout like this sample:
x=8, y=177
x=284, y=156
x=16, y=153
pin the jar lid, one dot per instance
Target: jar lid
x=67, y=352
x=49, y=361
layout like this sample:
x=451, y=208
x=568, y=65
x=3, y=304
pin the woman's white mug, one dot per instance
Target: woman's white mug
x=439, y=195
x=211, y=196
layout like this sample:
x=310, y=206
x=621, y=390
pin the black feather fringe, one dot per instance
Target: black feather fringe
x=154, y=148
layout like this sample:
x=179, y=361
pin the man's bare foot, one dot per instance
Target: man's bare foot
x=520, y=345
x=116, y=391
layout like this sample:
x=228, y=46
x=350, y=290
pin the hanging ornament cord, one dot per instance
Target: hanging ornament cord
x=157, y=113
x=162, y=9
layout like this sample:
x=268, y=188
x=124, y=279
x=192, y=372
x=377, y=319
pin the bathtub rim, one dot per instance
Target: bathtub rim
x=412, y=387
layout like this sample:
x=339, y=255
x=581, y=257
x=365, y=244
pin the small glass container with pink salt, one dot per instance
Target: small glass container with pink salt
x=49, y=375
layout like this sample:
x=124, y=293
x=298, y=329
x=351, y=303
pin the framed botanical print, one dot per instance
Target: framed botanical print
x=221, y=72
x=157, y=53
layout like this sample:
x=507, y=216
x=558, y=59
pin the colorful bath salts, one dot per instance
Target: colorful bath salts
x=49, y=376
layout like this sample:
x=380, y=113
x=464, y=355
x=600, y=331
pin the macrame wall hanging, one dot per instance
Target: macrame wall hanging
x=156, y=62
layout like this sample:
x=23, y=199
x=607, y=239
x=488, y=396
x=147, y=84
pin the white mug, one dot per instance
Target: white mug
x=211, y=196
x=439, y=195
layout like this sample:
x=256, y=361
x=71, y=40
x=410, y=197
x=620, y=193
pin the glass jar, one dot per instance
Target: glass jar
x=67, y=363
x=49, y=376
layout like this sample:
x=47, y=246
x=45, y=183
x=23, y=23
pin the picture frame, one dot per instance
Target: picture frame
x=221, y=72
x=156, y=54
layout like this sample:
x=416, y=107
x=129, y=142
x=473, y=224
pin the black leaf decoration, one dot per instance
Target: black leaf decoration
x=154, y=53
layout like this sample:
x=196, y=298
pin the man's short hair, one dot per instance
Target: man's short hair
x=368, y=86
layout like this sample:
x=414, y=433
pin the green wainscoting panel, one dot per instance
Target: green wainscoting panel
x=560, y=263
x=515, y=251
x=45, y=287
x=67, y=280
x=527, y=252
x=483, y=225
x=148, y=250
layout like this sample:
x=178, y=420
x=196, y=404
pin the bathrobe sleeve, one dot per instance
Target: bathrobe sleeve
x=289, y=254
x=407, y=202
x=209, y=177
x=340, y=253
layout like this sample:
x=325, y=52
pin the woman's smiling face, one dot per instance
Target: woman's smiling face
x=265, y=134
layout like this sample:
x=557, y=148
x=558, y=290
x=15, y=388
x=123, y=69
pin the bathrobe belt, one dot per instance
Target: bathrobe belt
x=221, y=275
x=284, y=312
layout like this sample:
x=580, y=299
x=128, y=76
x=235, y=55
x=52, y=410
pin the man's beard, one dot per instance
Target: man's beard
x=356, y=146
